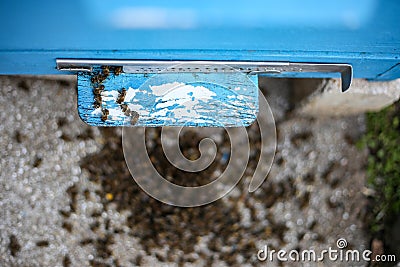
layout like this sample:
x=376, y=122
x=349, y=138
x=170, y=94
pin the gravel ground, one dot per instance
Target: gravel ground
x=67, y=198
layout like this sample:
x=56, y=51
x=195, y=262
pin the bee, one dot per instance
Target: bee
x=97, y=101
x=98, y=90
x=121, y=96
x=127, y=111
x=134, y=117
x=104, y=116
x=124, y=107
x=97, y=98
x=101, y=77
x=118, y=70
x=106, y=70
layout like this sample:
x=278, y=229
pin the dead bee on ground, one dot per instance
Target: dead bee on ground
x=118, y=70
x=121, y=96
x=104, y=116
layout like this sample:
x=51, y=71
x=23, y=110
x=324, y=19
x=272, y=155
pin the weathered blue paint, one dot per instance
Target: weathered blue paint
x=168, y=99
x=367, y=35
x=392, y=72
x=369, y=67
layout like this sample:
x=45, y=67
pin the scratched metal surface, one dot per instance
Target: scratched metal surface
x=167, y=99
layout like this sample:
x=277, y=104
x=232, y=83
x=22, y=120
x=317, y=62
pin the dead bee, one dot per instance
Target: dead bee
x=118, y=70
x=104, y=116
x=121, y=96
x=134, y=117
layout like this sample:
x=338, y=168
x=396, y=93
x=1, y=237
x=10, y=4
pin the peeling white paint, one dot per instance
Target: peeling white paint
x=160, y=90
x=116, y=112
x=97, y=111
x=176, y=103
x=109, y=95
x=130, y=94
x=139, y=109
x=186, y=96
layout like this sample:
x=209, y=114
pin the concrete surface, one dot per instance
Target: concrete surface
x=65, y=200
x=326, y=98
